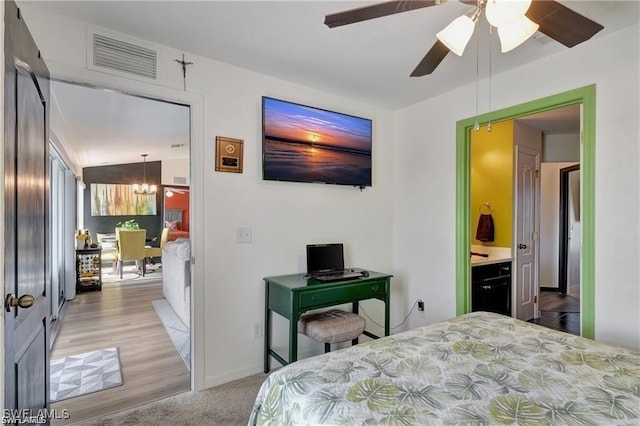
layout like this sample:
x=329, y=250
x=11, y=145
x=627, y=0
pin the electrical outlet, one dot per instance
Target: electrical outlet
x=420, y=305
x=257, y=330
x=243, y=235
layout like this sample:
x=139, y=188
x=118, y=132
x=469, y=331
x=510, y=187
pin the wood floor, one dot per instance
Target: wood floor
x=558, y=302
x=559, y=311
x=121, y=315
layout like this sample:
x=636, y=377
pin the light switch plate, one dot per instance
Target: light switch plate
x=243, y=235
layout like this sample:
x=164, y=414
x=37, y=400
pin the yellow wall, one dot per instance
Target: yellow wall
x=492, y=180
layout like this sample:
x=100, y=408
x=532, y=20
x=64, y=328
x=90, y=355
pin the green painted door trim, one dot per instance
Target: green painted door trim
x=585, y=96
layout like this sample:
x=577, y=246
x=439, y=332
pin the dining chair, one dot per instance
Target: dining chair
x=131, y=246
x=108, y=244
x=157, y=251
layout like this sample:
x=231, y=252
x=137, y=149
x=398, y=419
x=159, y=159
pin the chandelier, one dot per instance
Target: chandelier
x=144, y=188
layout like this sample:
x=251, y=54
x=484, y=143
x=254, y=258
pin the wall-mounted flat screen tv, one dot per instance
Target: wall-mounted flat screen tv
x=306, y=144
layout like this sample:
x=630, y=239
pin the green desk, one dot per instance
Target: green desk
x=292, y=295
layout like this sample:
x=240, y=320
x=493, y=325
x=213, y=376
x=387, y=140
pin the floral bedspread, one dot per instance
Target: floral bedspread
x=479, y=368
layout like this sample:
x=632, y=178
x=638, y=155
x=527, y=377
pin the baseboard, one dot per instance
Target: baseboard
x=229, y=376
x=57, y=324
x=556, y=289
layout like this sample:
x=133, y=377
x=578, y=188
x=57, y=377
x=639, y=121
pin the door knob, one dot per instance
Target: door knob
x=522, y=246
x=24, y=301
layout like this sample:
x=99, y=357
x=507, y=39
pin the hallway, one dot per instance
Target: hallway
x=559, y=311
x=122, y=315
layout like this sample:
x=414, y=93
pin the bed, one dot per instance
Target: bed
x=479, y=368
x=173, y=221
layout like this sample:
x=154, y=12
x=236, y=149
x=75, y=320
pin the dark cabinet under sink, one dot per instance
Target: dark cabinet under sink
x=491, y=288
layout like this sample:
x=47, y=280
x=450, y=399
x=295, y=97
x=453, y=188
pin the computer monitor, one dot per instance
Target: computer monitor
x=324, y=258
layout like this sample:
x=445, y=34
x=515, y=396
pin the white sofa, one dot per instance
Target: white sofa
x=176, y=277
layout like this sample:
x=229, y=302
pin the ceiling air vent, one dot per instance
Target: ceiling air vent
x=179, y=180
x=125, y=57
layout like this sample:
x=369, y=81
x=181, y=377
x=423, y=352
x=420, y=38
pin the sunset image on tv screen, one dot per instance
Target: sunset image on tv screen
x=306, y=144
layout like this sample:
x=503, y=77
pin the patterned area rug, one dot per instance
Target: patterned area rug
x=176, y=329
x=85, y=373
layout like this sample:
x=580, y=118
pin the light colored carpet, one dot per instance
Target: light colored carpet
x=85, y=373
x=176, y=329
x=225, y=405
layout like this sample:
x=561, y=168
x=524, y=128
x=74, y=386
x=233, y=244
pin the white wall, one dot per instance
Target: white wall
x=284, y=216
x=561, y=147
x=574, y=261
x=60, y=137
x=550, y=222
x=175, y=169
x=424, y=179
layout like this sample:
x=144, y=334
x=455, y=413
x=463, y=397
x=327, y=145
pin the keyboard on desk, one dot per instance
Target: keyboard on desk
x=337, y=276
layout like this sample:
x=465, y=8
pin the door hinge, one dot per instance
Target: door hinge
x=534, y=236
x=537, y=173
x=535, y=299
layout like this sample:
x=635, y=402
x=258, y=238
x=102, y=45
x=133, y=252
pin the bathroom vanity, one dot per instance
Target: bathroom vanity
x=491, y=282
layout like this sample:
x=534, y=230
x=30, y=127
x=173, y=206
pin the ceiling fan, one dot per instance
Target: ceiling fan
x=516, y=21
x=170, y=191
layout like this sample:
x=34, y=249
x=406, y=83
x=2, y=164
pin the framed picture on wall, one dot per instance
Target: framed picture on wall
x=228, y=154
x=120, y=200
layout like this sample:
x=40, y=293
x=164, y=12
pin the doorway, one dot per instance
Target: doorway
x=124, y=314
x=584, y=96
x=570, y=236
x=175, y=211
x=560, y=239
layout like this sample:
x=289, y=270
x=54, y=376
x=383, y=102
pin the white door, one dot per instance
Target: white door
x=526, y=233
x=575, y=236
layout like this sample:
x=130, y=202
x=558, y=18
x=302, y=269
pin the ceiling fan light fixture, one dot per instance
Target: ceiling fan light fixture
x=513, y=35
x=457, y=34
x=557, y=21
x=501, y=13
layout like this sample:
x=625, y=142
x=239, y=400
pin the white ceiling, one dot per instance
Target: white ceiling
x=369, y=61
x=105, y=127
x=560, y=121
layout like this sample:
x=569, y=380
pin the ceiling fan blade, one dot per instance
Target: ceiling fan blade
x=375, y=11
x=561, y=23
x=431, y=60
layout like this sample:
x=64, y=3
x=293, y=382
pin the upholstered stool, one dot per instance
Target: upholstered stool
x=333, y=326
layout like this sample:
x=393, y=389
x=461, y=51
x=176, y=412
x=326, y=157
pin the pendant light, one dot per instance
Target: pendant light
x=144, y=188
